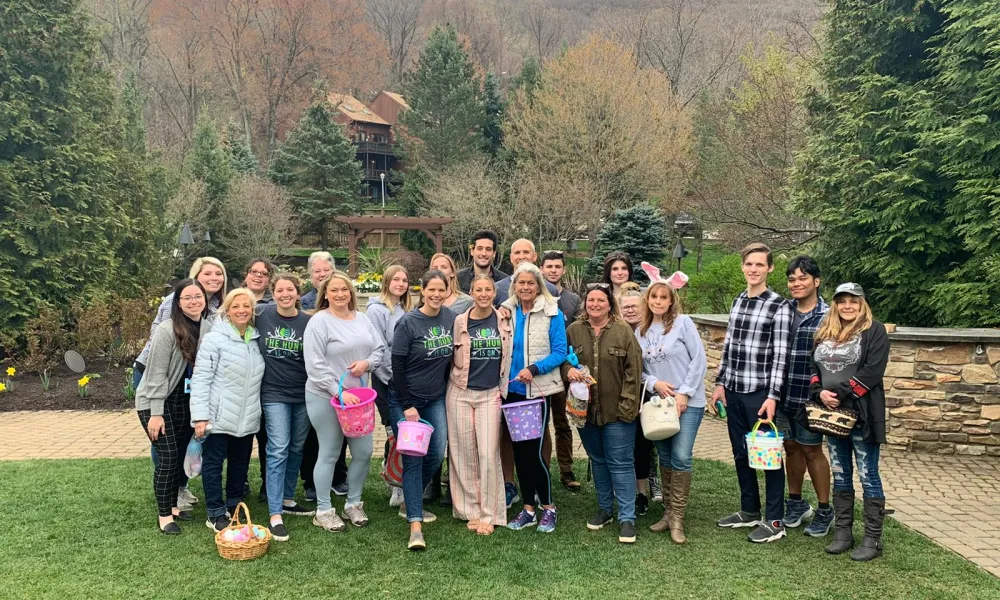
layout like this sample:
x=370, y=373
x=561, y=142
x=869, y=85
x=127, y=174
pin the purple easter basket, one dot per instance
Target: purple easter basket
x=524, y=419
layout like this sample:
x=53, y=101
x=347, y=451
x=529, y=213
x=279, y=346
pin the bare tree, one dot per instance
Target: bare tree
x=125, y=32
x=544, y=26
x=258, y=217
x=397, y=22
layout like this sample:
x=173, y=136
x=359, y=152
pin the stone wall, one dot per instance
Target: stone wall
x=942, y=390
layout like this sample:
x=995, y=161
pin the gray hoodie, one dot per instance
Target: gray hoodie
x=384, y=321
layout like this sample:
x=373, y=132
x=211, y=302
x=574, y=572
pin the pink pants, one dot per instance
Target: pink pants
x=474, y=472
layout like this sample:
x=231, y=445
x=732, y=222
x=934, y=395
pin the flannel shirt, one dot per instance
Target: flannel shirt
x=755, y=353
x=801, y=355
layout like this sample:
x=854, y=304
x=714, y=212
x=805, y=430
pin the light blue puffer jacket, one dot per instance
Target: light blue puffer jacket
x=225, y=385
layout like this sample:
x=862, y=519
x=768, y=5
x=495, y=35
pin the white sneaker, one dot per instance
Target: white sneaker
x=328, y=520
x=396, y=497
x=185, y=499
x=429, y=517
x=355, y=513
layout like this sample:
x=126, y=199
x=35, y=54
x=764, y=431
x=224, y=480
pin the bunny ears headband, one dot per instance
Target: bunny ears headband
x=677, y=279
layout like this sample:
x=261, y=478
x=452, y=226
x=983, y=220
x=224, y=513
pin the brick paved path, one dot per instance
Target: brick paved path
x=953, y=500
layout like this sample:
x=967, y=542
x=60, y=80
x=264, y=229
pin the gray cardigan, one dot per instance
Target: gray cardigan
x=164, y=368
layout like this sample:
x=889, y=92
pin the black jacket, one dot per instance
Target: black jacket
x=864, y=391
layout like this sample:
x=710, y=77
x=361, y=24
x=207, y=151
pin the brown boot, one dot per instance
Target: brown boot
x=680, y=490
x=666, y=480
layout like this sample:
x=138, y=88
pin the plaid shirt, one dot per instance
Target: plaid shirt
x=800, y=357
x=755, y=353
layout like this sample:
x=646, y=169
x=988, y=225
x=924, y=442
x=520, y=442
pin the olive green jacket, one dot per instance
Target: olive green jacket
x=615, y=361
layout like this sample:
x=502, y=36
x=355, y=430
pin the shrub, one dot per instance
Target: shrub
x=640, y=231
x=712, y=291
x=45, y=339
x=133, y=316
x=414, y=263
x=93, y=331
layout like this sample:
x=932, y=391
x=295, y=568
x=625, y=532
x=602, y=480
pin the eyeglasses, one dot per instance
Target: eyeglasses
x=192, y=298
x=630, y=308
x=256, y=273
x=598, y=286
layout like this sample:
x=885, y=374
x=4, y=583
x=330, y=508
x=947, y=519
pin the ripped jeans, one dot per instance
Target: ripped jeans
x=865, y=454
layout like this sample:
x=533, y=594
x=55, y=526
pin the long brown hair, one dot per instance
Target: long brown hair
x=187, y=341
x=669, y=317
x=833, y=327
x=405, y=301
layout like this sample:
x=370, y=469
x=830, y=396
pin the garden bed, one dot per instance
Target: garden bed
x=104, y=392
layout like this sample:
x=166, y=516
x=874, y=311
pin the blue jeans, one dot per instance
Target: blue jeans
x=219, y=448
x=865, y=453
x=418, y=471
x=287, y=428
x=610, y=448
x=794, y=431
x=675, y=452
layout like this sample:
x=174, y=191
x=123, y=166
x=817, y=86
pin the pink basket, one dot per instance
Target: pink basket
x=356, y=420
x=414, y=437
x=524, y=419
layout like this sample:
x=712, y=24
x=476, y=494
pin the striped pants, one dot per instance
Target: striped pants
x=474, y=472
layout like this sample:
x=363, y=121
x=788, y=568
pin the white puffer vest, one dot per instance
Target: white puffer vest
x=536, y=344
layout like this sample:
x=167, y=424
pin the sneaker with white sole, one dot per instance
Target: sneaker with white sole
x=328, y=520
x=396, y=497
x=796, y=511
x=355, y=513
x=416, y=541
x=523, y=520
x=599, y=520
x=739, y=519
x=427, y=516
x=278, y=532
x=217, y=524
x=185, y=499
x=297, y=509
x=821, y=523
x=767, y=531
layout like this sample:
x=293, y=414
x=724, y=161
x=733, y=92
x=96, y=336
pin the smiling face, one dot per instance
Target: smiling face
x=619, y=272
x=285, y=294
x=483, y=292
x=192, y=302
x=659, y=300
x=848, y=307
x=338, y=294
x=526, y=288
x=598, y=306
x=444, y=265
x=756, y=269
x=483, y=253
x=258, y=278
x=553, y=270
x=434, y=292
x=211, y=278
x=520, y=251
x=399, y=285
x=630, y=310
x=802, y=285
x=321, y=269
x=240, y=311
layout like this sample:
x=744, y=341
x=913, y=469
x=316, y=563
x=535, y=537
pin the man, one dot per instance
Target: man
x=553, y=269
x=483, y=250
x=520, y=251
x=258, y=280
x=803, y=448
x=749, y=383
x=320, y=266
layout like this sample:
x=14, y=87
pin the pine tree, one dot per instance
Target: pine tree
x=496, y=110
x=639, y=231
x=529, y=79
x=446, y=113
x=241, y=156
x=208, y=162
x=318, y=165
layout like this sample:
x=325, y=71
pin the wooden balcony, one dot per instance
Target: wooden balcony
x=373, y=174
x=375, y=148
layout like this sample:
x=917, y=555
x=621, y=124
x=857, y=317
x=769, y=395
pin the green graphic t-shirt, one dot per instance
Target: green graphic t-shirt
x=427, y=345
x=485, y=352
x=280, y=343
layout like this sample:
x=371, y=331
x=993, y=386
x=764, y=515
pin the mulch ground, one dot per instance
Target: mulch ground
x=105, y=393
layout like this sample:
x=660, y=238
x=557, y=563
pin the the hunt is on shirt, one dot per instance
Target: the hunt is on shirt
x=280, y=343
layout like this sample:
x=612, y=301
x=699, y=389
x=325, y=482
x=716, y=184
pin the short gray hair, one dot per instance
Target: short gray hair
x=534, y=271
x=320, y=255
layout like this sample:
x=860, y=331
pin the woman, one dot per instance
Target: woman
x=607, y=346
x=852, y=351
x=384, y=311
x=225, y=392
x=422, y=348
x=629, y=302
x=617, y=271
x=456, y=299
x=536, y=350
x=282, y=394
x=164, y=393
x=673, y=364
x=478, y=378
x=339, y=339
x=257, y=279
x=211, y=274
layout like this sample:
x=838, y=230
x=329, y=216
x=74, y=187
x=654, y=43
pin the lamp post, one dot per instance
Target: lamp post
x=382, y=177
x=186, y=239
x=680, y=252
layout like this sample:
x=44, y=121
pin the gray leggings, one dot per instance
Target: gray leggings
x=331, y=440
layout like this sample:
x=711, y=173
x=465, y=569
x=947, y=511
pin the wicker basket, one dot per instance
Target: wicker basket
x=249, y=550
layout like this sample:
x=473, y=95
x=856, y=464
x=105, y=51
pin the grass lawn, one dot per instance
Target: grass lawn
x=86, y=529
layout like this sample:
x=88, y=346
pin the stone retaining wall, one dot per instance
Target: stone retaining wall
x=942, y=386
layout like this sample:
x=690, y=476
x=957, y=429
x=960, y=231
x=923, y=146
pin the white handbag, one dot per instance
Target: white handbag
x=658, y=417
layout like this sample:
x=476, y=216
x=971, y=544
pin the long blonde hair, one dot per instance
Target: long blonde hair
x=453, y=281
x=669, y=317
x=321, y=300
x=405, y=301
x=231, y=297
x=833, y=327
x=199, y=264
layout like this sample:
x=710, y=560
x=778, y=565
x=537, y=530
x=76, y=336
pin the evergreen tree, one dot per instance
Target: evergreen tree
x=318, y=165
x=496, y=109
x=639, y=231
x=446, y=113
x=208, y=162
x=241, y=156
x=529, y=79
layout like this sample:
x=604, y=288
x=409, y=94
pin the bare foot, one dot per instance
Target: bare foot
x=484, y=529
x=474, y=524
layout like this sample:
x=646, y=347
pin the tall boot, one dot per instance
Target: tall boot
x=680, y=490
x=666, y=477
x=843, y=514
x=871, y=544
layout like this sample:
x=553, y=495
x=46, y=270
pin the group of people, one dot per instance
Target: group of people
x=224, y=366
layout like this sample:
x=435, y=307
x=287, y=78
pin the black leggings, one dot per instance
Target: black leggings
x=643, y=453
x=170, y=448
x=532, y=470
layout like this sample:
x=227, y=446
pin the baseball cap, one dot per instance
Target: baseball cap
x=849, y=288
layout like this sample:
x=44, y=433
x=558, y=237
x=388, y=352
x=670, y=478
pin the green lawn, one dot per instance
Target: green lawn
x=86, y=529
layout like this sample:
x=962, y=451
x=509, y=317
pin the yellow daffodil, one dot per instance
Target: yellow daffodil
x=3, y=387
x=11, y=371
x=83, y=381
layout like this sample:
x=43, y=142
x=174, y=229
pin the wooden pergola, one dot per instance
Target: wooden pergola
x=359, y=227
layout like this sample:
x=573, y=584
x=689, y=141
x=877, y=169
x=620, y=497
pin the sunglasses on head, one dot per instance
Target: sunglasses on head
x=598, y=286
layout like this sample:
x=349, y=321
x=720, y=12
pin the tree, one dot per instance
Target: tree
x=639, y=231
x=529, y=78
x=318, y=166
x=446, y=115
x=209, y=162
x=496, y=110
x=544, y=27
x=397, y=22
x=259, y=215
x=238, y=150
x=610, y=127
x=74, y=199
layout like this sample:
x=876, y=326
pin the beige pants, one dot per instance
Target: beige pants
x=474, y=473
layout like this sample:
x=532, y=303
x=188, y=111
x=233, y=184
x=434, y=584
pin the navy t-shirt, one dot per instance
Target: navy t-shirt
x=425, y=346
x=485, y=352
x=280, y=344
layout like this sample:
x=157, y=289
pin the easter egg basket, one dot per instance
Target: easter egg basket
x=242, y=541
x=764, y=448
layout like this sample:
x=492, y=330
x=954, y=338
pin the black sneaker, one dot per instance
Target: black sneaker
x=767, y=531
x=278, y=532
x=626, y=532
x=217, y=524
x=641, y=504
x=739, y=519
x=310, y=495
x=297, y=509
x=340, y=489
x=599, y=520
